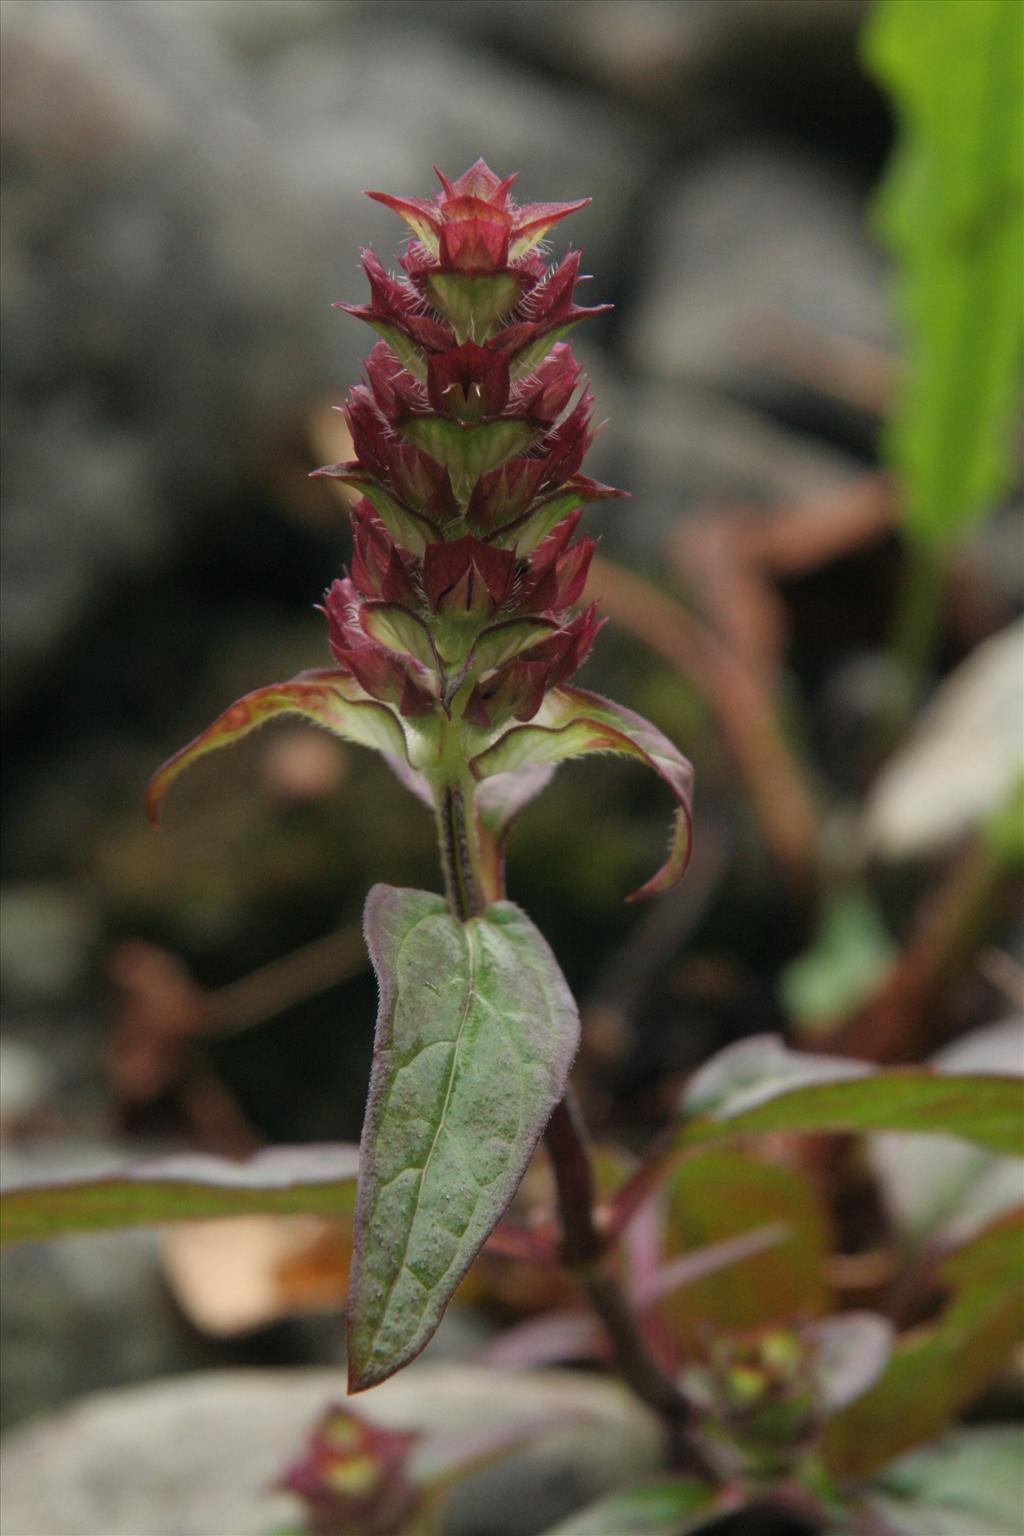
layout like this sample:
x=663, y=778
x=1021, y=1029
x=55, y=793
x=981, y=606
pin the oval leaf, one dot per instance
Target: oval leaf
x=475, y=1036
x=331, y=699
x=759, y=1085
x=317, y=1180
x=572, y=723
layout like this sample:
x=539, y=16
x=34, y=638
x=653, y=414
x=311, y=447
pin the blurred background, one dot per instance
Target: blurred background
x=182, y=201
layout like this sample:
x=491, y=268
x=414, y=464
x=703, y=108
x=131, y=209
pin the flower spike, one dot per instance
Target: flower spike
x=455, y=633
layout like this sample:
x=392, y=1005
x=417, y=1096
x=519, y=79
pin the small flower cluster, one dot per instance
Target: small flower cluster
x=469, y=434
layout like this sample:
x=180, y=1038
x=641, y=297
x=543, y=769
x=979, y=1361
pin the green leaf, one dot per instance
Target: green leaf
x=571, y=723
x=759, y=1085
x=400, y=630
x=468, y=452
x=409, y=355
x=935, y=1371
x=412, y=530
x=500, y=642
x=952, y=212
x=475, y=1036
x=850, y=954
x=331, y=699
x=936, y=1189
x=473, y=303
x=972, y=1480
x=536, y=351
x=721, y=1193
x=663, y=1506
x=282, y=1181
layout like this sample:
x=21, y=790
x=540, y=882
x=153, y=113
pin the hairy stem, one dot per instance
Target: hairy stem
x=457, y=841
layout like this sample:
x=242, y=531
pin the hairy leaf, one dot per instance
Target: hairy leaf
x=282, y=1181
x=475, y=1036
x=663, y=1506
x=468, y=452
x=935, y=1371
x=951, y=209
x=331, y=699
x=573, y=722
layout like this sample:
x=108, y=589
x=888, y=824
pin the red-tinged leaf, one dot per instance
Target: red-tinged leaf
x=330, y=699
x=422, y=217
x=759, y=1085
x=533, y=221
x=723, y=1194
x=572, y=723
x=317, y=1180
x=936, y=1371
x=475, y=1036
x=662, y=1506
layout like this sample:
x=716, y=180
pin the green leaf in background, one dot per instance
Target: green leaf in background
x=951, y=209
x=475, y=1036
x=758, y=1085
x=318, y=1180
x=935, y=1371
x=938, y=1190
x=973, y=1480
x=850, y=955
x=664, y=1506
x=721, y=1193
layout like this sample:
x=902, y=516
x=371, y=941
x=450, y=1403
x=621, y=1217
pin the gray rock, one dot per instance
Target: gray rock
x=752, y=241
x=80, y=1312
x=196, y=1456
x=680, y=448
x=158, y=328
x=47, y=935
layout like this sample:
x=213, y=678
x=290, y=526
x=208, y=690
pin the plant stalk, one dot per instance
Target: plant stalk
x=913, y=641
x=583, y=1248
x=566, y=1143
x=457, y=843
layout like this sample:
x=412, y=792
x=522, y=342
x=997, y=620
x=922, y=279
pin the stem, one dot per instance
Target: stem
x=583, y=1246
x=565, y=1136
x=457, y=840
x=913, y=641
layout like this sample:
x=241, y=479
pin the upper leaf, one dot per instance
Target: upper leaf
x=331, y=699
x=573, y=722
x=475, y=1036
x=316, y=1180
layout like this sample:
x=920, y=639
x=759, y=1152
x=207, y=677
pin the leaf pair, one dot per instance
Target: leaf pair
x=510, y=769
